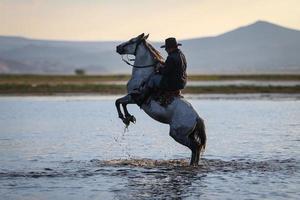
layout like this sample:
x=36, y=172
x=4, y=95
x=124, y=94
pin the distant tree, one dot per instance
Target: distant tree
x=80, y=72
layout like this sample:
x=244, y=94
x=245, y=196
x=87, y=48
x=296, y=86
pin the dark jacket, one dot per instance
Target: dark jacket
x=174, y=75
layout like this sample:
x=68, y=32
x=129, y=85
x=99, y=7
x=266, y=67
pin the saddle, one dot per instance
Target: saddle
x=165, y=98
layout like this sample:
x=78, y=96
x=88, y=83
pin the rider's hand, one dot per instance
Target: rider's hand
x=159, y=66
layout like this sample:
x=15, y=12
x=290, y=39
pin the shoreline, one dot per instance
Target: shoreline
x=105, y=89
x=31, y=78
x=116, y=84
x=190, y=97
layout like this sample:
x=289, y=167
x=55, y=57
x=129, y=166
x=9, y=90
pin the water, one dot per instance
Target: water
x=76, y=148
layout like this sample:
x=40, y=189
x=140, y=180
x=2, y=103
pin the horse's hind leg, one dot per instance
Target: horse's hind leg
x=193, y=161
x=195, y=141
x=195, y=148
x=195, y=154
x=198, y=137
x=187, y=141
x=196, y=158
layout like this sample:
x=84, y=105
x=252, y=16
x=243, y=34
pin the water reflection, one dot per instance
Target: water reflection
x=169, y=179
x=157, y=179
x=161, y=183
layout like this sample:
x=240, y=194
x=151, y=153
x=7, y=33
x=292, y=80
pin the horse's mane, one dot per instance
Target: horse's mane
x=157, y=55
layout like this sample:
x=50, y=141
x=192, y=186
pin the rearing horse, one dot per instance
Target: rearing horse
x=186, y=127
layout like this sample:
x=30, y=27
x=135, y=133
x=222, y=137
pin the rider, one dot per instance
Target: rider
x=171, y=75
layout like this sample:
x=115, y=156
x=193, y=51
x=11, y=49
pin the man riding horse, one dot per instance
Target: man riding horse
x=186, y=126
x=171, y=76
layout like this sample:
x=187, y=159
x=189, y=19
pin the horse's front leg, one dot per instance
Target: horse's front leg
x=124, y=101
x=128, y=116
x=117, y=103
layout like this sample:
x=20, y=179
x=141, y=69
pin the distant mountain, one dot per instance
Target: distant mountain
x=261, y=47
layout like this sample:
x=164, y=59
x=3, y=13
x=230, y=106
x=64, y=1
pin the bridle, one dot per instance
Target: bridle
x=136, y=47
x=138, y=66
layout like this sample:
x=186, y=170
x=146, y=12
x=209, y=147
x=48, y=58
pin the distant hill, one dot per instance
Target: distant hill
x=57, y=57
x=261, y=47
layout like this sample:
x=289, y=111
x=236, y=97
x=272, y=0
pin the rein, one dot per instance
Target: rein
x=138, y=66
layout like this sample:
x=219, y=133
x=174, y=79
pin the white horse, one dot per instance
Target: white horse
x=186, y=127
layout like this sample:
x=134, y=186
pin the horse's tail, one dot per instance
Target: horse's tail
x=200, y=134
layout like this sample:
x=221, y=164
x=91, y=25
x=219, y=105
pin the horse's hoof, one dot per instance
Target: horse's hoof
x=126, y=121
x=132, y=119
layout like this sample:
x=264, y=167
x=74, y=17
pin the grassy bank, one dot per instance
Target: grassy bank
x=47, y=89
x=253, y=77
x=53, y=84
x=60, y=79
x=65, y=79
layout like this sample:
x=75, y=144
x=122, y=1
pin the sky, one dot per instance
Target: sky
x=88, y=20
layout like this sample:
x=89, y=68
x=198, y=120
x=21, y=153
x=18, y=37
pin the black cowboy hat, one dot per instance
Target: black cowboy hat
x=170, y=43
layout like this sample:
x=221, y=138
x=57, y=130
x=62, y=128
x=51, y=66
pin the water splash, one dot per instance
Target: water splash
x=109, y=167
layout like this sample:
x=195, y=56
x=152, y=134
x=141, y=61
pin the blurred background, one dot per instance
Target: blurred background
x=218, y=36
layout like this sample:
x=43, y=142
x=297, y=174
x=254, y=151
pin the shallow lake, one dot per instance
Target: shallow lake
x=75, y=147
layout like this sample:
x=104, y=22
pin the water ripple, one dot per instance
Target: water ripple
x=127, y=167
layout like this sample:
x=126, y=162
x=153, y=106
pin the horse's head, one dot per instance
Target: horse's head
x=146, y=59
x=130, y=47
